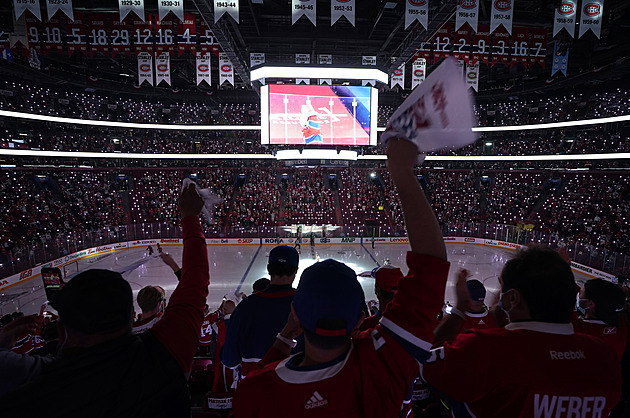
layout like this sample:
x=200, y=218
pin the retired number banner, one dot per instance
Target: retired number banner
x=187, y=35
x=520, y=46
x=442, y=42
x=97, y=34
x=481, y=45
x=207, y=42
x=76, y=36
x=142, y=36
x=340, y=8
x=461, y=46
x=33, y=31
x=564, y=18
x=203, y=69
x=538, y=47
x=51, y=36
x=164, y=36
x=500, y=47
x=121, y=39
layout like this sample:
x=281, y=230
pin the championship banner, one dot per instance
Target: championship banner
x=34, y=37
x=481, y=46
x=467, y=12
x=324, y=59
x=417, y=10
x=306, y=8
x=163, y=68
x=142, y=36
x=225, y=6
x=255, y=59
x=164, y=39
x=560, y=57
x=472, y=76
x=538, y=47
x=520, y=50
x=187, y=35
x=442, y=42
x=501, y=14
x=340, y=8
x=76, y=36
x=121, y=43
x=175, y=6
x=51, y=36
x=302, y=58
x=418, y=74
x=302, y=81
x=368, y=60
x=20, y=6
x=368, y=83
x=591, y=17
x=207, y=41
x=135, y=6
x=398, y=77
x=203, y=69
x=460, y=67
x=53, y=6
x=145, y=68
x=564, y=17
x=226, y=72
x=461, y=44
x=500, y=47
x=325, y=81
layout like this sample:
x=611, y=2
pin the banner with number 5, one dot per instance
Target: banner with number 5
x=76, y=37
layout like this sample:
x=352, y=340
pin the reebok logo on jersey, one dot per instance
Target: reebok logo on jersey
x=546, y=406
x=315, y=401
x=610, y=330
x=567, y=355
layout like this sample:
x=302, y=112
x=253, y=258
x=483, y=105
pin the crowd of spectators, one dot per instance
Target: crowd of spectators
x=308, y=200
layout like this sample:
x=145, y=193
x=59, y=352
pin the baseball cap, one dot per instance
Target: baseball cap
x=387, y=277
x=95, y=302
x=476, y=290
x=283, y=254
x=609, y=299
x=329, y=299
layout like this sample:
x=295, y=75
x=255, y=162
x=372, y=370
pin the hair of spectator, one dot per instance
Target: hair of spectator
x=149, y=297
x=280, y=270
x=325, y=342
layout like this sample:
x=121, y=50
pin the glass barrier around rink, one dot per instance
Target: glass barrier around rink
x=21, y=258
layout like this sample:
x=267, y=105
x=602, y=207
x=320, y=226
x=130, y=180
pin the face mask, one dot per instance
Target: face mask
x=580, y=309
x=507, y=313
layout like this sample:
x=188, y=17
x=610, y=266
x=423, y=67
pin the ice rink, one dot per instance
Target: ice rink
x=236, y=267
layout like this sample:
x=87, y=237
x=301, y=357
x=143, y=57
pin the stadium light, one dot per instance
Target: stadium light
x=320, y=72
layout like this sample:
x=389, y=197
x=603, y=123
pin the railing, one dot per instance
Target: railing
x=19, y=259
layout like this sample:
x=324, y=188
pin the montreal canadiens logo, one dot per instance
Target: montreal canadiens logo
x=162, y=67
x=471, y=76
x=591, y=9
x=398, y=72
x=417, y=2
x=503, y=5
x=226, y=68
x=203, y=68
x=145, y=68
x=468, y=4
x=566, y=8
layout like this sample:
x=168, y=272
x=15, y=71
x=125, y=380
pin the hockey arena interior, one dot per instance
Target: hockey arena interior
x=280, y=134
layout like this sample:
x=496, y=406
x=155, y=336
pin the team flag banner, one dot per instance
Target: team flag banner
x=564, y=17
x=76, y=37
x=325, y=81
x=175, y=6
x=340, y=8
x=207, y=41
x=52, y=36
x=461, y=44
x=419, y=69
x=436, y=115
x=398, y=77
x=20, y=6
x=520, y=51
x=145, y=68
x=306, y=8
x=164, y=39
x=500, y=47
x=135, y=6
x=368, y=83
x=501, y=14
x=302, y=58
x=120, y=38
x=560, y=57
x=163, y=68
x=368, y=60
x=98, y=34
x=143, y=36
x=187, y=35
x=53, y=6
x=203, y=69
x=442, y=42
x=591, y=17
x=226, y=72
x=417, y=10
x=467, y=12
x=481, y=46
x=472, y=76
x=538, y=47
x=257, y=58
x=225, y=6
x=324, y=59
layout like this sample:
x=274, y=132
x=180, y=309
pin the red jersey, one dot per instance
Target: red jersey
x=205, y=337
x=616, y=337
x=376, y=374
x=527, y=369
x=477, y=321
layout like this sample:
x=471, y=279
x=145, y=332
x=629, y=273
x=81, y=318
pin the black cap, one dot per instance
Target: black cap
x=95, y=302
x=609, y=299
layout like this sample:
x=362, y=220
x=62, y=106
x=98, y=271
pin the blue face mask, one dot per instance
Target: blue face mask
x=580, y=309
x=507, y=313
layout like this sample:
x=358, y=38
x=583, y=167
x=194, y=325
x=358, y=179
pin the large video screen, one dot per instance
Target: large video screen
x=318, y=115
